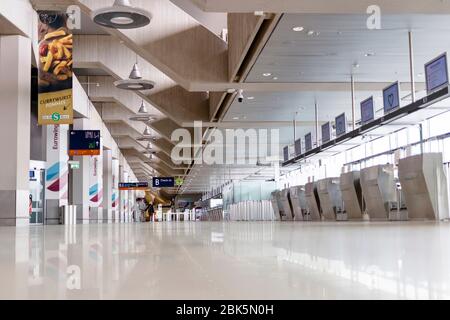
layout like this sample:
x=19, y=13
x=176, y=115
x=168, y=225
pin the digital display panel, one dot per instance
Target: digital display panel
x=308, y=142
x=286, y=153
x=298, y=147
x=391, y=98
x=326, y=132
x=124, y=186
x=84, y=143
x=168, y=182
x=367, y=111
x=341, y=125
x=436, y=73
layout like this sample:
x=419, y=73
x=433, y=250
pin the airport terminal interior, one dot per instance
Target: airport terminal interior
x=211, y=149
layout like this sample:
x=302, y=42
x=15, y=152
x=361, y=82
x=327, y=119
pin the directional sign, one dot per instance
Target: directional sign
x=168, y=182
x=124, y=186
x=179, y=182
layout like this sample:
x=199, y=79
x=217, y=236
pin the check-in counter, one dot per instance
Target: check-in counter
x=330, y=199
x=298, y=202
x=286, y=205
x=312, y=202
x=424, y=186
x=379, y=191
x=276, y=205
x=352, y=195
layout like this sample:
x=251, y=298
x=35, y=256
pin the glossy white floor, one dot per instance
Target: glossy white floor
x=289, y=260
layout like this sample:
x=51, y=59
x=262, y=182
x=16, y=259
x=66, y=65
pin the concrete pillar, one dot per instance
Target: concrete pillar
x=57, y=172
x=15, y=106
x=80, y=181
x=108, y=195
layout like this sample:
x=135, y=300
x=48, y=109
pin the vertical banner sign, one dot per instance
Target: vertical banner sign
x=55, y=69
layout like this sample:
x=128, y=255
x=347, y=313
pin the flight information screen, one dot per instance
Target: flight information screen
x=367, y=111
x=391, y=98
x=341, y=125
x=326, y=132
x=308, y=142
x=84, y=143
x=436, y=72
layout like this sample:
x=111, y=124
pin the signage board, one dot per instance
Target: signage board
x=436, y=73
x=367, y=111
x=141, y=186
x=326, y=132
x=341, y=125
x=391, y=98
x=179, y=182
x=84, y=143
x=55, y=101
x=74, y=165
x=163, y=182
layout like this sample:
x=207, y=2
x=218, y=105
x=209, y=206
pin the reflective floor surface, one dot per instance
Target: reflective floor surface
x=279, y=260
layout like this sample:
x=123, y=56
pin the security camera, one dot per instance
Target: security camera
x=241, y=96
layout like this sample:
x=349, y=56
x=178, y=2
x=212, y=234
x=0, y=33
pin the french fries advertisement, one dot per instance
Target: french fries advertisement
x=55, y=69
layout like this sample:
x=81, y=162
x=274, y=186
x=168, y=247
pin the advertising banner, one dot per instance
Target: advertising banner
x=55, y=69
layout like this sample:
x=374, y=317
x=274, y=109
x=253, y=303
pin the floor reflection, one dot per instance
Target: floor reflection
x=269, y=260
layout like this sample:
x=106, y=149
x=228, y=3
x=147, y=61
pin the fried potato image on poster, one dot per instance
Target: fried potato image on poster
x=55, y=69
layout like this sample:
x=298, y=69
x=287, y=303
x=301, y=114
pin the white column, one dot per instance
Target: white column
x=115, y=190
x=96, y=188
x=15, y=104
x=57, y=171
x=108, y=194
x=80, y=181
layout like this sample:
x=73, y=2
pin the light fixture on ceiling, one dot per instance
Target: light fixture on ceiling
x=235, y=118
x=275, y=78
x=369, y=54
x=250, y=98
x=298, y=29
x=135, y=81
x=146, y=131
x=121, y=15
x=267, y=74
x=149, y=146
x=143, y=108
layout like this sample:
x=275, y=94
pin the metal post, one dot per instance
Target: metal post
x=411, y=66
x=295, y=128
x=353, y=103
x=316, y=110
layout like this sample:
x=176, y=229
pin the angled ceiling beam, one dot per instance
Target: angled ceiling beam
x=325, y=6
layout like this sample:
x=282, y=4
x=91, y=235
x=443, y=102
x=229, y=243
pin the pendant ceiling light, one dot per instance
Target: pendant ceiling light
x=146, y=131
x=122, y=16
x=149, y=146
x=143, y=108
x=135, y=81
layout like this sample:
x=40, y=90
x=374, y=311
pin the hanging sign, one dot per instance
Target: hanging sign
x=55, y=69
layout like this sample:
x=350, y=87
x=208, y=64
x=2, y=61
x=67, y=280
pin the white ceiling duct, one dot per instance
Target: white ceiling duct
x=121, y=16
x=135, y=81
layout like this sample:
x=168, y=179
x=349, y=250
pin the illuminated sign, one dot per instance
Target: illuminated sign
x=84, y=143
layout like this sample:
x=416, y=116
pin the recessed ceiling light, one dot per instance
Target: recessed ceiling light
x=250, y=98
x=121, y=15
x=298, y=29
x=275, y=78
x=267, y=74
x=235, y=118
x=420, y=75
x=369, y=54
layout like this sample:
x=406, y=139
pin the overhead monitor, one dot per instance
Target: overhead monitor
x=286, y=153
x=84, y=143
x=326, y=132
x=436, y=73
x=168, y=182
x=298, y=147
x=391, y=98
x=367, y=111
x=341, y=125
x=308, y=142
